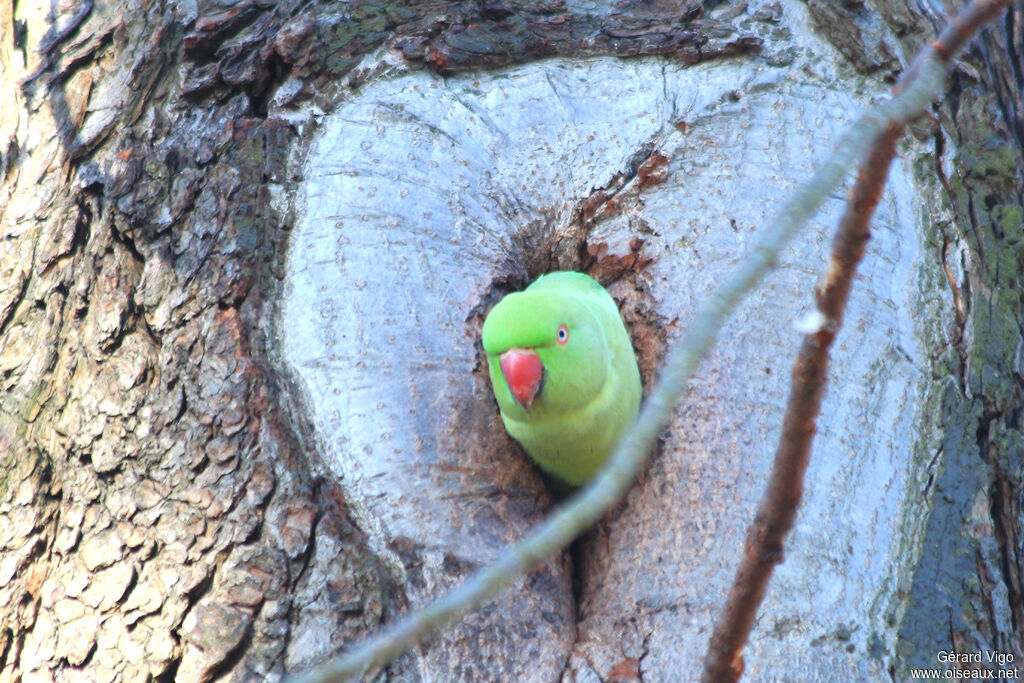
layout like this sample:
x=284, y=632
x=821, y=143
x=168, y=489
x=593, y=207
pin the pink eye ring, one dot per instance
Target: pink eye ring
x=562, y=335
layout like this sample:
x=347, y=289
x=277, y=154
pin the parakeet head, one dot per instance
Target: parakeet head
x=547, y=353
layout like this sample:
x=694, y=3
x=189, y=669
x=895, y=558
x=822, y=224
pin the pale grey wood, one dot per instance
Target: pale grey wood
x=416, y=198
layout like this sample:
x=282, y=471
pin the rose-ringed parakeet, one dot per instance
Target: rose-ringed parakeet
x=564, y=373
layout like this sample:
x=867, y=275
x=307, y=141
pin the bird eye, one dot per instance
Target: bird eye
x=563, y=334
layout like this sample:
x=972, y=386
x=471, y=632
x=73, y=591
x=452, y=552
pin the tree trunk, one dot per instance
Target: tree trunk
x=247, y=250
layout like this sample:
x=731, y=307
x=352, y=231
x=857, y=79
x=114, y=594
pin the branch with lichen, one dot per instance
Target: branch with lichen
x=921, y=84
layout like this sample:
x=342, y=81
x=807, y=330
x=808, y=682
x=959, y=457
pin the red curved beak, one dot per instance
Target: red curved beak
x=524, y=373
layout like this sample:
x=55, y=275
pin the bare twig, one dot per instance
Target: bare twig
x=617, y=475
x=775, y=515
x=778, y=507
x=964, y=26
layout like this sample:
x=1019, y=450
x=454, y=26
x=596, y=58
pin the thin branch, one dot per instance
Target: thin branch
x=587, y=506
x=963, y=27
x=777, y=510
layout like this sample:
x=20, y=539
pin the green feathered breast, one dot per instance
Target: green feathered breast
x=569, y=409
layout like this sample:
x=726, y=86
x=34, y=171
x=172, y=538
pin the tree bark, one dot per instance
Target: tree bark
x=247, y=250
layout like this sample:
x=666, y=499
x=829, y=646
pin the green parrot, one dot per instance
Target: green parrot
x=564, y=373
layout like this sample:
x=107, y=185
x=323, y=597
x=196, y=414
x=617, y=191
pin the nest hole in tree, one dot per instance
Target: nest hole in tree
x=541, y=248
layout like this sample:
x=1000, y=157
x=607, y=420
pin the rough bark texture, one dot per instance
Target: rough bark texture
x=157, y=519
x=171, y=504
x=967, y=593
